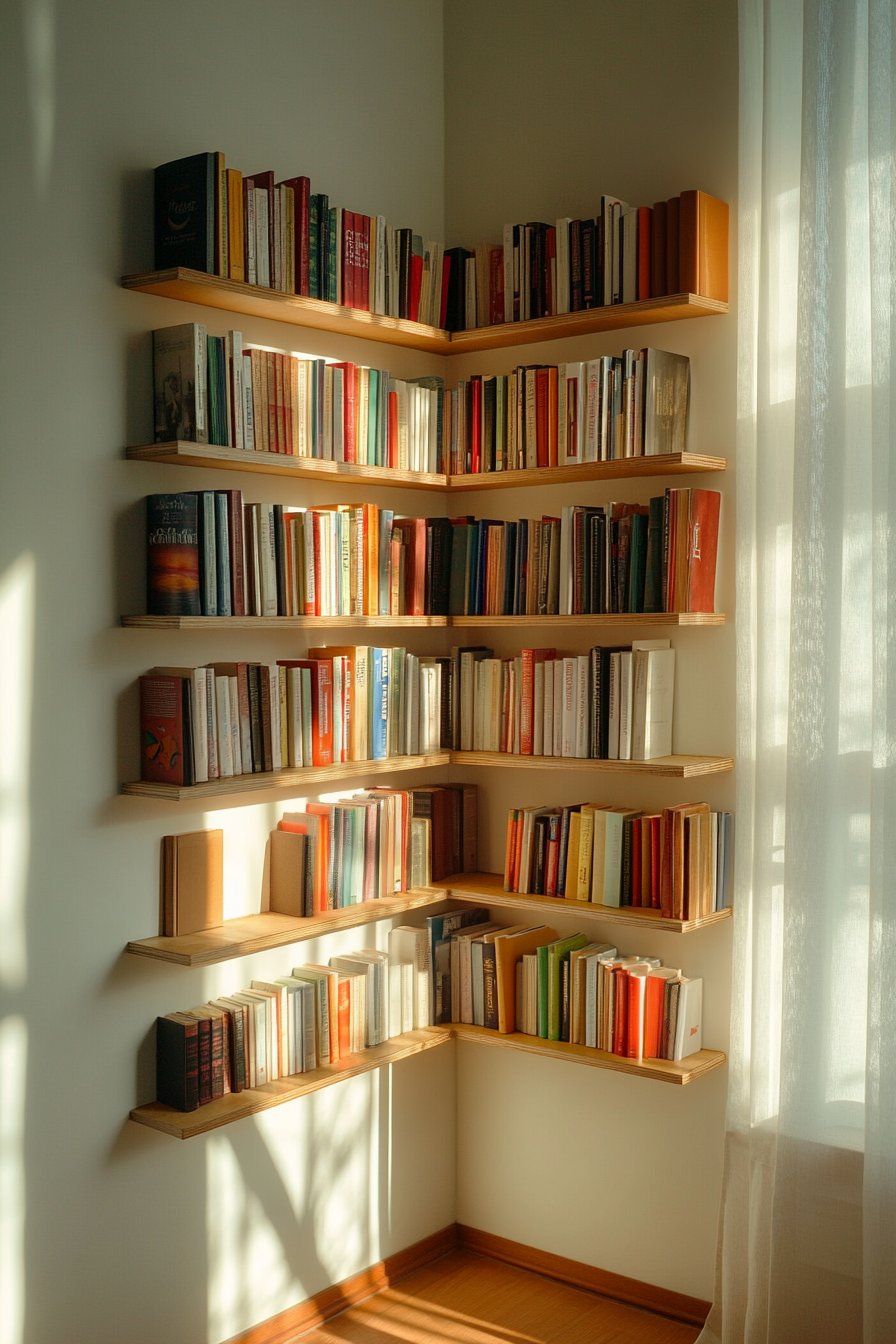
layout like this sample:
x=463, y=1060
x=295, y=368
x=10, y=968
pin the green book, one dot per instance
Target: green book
x=558, y=954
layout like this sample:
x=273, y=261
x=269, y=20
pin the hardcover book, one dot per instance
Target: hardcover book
x=172, y=555
x=180, y=383
x=185, y=199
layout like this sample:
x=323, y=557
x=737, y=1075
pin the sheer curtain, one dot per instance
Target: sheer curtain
x=807, y=1247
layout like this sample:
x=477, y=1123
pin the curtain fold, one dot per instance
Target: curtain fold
x=807, y=1247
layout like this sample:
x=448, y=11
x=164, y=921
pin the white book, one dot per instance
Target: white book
x=570, y=684
x=625, y=705
x=199, y=696
x=613, y=713
x=248, y=414
x=547, y=714
x=267, y=557
x=294, y=739
x=410, y=944
x=234, y=350
x=689, y=1019
x=583, y=705
x=653, y=694
x=282, y=1040
x=566, y=567
x=538, y=709
x=235, y=744
x=211, y=721
x=559, y=681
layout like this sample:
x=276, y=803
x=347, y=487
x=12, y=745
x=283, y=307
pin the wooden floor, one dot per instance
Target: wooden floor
x=466, y=1298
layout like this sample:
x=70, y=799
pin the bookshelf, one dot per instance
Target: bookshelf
x=225, y=1110
x=261, y=932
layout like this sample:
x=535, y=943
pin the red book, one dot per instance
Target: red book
x=166, y=742
x=541, y=417
x=620, y=1010
x=301, y=190
x=237, y=550
x=413, y=533
x=635, y=986
x=553, y=394
x=416, y=282
x=348, y=259
x=349, y=410
x=362, y=262
x=654, y=994
x=510, y=848
x=475, y=422
x=703, y=540
x=655, y=856
x=552, y=858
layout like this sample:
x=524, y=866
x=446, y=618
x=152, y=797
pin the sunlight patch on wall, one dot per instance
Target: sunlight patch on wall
x=13, y=1058
x=17, y=588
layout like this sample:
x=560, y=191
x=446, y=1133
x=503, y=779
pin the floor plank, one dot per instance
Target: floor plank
x=466, y=1298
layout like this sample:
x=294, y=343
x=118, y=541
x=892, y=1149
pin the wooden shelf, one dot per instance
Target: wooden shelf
x=214, y=291
x=294, y=779
x=612, y=620
x=660, y=1070
x=214, y=1114
x=181, y=453
x=667, y=767
x=184, y=454
x=488, y=889
x=258, y=933
x=283, y=622
x=606, y=620
x=666, y=464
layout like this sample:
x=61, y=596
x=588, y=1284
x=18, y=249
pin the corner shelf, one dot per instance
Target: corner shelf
x=667, y=767
x=488, y=889
x=293, y=778
x=237, y=1106
x=248, y=934
x=612, y=620
x=659, y=464
x=660, y=1070
x=214, y=291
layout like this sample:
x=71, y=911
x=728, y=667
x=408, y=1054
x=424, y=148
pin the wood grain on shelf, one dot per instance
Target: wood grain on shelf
x=214, y=1114
x=666, y=464
x=180, y=453
x=248, y=934
x=661, y=1070
x=669, y=767
x=591, y=620
x=236, y=1106
x=295, y=779
x=215, y=291
x=669, y=308
x=488, y=888
x=281, y=622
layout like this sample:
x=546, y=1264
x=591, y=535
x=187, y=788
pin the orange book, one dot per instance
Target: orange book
x=509, y=948
x=703, y=245
x=510, y=848
x=321, y=706
x=315, y=826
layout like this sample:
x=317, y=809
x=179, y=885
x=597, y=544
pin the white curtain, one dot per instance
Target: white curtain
x=807, y=1250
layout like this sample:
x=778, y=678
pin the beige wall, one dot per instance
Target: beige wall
x=113, y=1232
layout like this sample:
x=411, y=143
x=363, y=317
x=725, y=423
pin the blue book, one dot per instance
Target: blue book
x=387, y=517
x=379, y=703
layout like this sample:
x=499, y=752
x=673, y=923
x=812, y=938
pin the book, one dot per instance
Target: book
x=180, y=383
x=166, y=726
x=688, y=1036
x=653, y=685
x=703, y=245
x=192, y=882
x=177, y=1061
x=510, y=945
x=287, y=872
x=172, y=555
x=185, y=212
x=666, y=398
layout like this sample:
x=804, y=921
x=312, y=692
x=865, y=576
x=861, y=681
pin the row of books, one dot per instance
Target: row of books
x=283, y=236
x=623, y=254
x=612, y=703
x=677, y=861
x=337, y=705
x=371, y=844
x=293, y=1024
x=216, y=389
x=526, y=978
x=209, y=553
x=634, y=404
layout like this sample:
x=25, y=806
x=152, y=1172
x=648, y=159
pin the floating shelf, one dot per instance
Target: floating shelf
x=180, y=453
x=236, y=1106
x=606, y=620
x=488, y=889
x=665, y=464
x=258, y=933
x=214, y=1114
x=668, y=767
x=295, y=779
x=184, y=454
x=282, y=622
x=216, y=291
x=660, y=1070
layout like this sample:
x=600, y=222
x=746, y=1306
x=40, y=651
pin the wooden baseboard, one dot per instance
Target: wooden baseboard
x=288, y=1325
x=662, y=1301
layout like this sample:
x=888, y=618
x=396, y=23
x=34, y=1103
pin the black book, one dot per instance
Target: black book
x=177, y=1061
x=439, y=537
x=172, y=555
x=575, y=266
x=588, y=289
x=455, y=313
x=185, y=198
